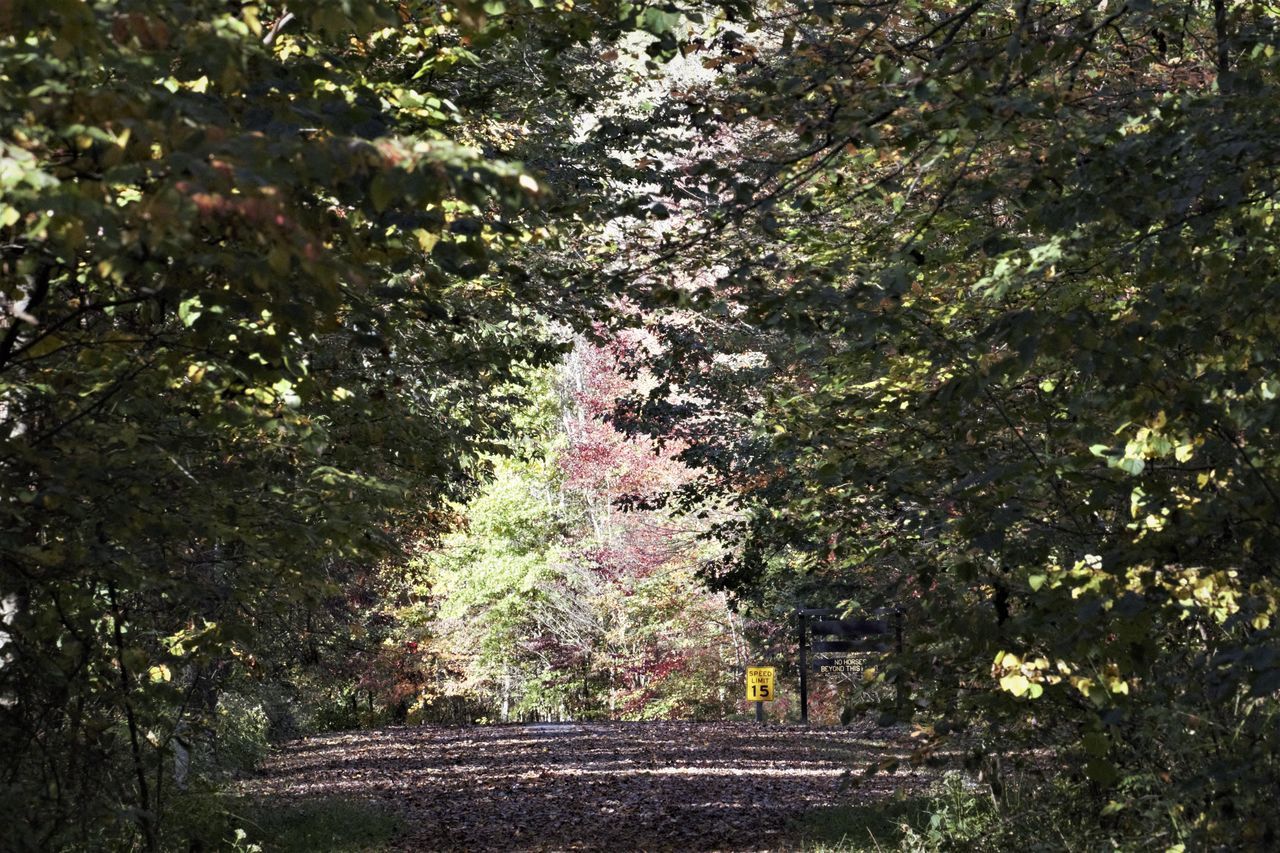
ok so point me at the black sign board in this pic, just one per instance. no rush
(847, 642)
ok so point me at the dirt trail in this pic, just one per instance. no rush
(609, 786)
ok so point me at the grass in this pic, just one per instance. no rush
(211, 822)
(1031, 815)
(875, 826)
(951, 816)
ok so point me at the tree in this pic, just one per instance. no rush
(554, 600)
(1022, 258)
(259, 271)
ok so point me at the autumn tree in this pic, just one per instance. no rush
(259, 270)
(560, 596)
(999, 276)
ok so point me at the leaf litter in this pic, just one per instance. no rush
(593, 786)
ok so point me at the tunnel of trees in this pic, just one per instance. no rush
(441, 362)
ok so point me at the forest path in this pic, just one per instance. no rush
(592, 786)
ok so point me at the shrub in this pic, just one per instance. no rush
(239, 739)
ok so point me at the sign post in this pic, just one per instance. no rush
(804, 668)
(841, 645)
(760, 681)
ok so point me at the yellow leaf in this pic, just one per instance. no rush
(1016, 683)
(426, 239)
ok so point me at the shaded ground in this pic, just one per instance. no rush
(608, 786)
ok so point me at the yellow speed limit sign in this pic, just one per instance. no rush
(760, 683)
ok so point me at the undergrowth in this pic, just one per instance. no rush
(957, 815)
(220, 822)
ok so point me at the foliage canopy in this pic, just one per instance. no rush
(960, 308)
(1000, 280)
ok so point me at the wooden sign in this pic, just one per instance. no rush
(843, 646)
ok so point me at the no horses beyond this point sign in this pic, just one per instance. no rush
(760, 683)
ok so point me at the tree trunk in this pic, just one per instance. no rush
(145, 818)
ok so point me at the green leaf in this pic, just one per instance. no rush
(1101, 771)
(381, 192)
(657, 21)
(1096, 743)
(1130, 465)
(279, 259)
(189, 310)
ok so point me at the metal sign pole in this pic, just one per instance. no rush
(804, 671)
(760, 712)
